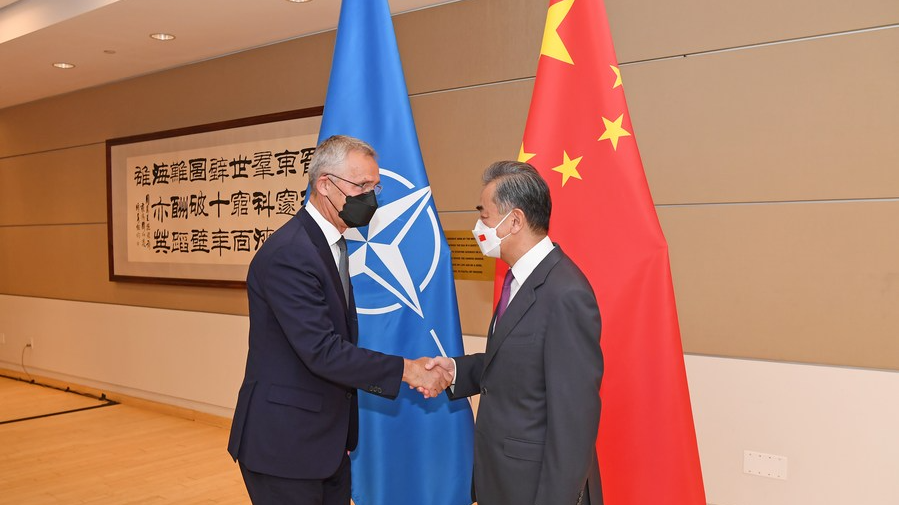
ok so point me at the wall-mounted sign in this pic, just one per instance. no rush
(469, 264)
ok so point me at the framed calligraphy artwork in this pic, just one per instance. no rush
(193, 205)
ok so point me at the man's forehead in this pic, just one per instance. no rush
(361, 165)
(486, 203)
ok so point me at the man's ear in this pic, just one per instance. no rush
(321, 184)
(518, 221)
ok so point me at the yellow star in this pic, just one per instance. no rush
(552, 42)
(523, 156)
(617, 76)
(568, 168)
(614, 131)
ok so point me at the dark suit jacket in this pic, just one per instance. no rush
(297, 411)
(535, 438)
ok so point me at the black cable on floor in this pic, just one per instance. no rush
(102, 398)
(108, 403)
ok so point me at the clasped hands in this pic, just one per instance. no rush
(429, 376)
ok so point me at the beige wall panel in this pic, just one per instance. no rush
(808, 120)
(475, 297)
(459, 44)
(462, 132)
(495, 40)
(470, 42)
(645, 29)
(475, 306)
(56, 187)
(276, 78)
(816, 283)
(70, 262)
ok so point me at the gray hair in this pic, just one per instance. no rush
(520, 186)
(332, 152)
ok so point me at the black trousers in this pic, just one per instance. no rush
(270, 490)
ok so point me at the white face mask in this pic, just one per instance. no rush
(487, 239)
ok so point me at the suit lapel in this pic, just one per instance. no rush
(324, 251)
(518, 307)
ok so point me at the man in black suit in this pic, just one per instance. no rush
(297, 411)
(538, 416)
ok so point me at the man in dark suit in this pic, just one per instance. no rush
(538, 416)
(297, 412)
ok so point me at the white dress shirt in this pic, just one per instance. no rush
(524, 267)
(330, 231)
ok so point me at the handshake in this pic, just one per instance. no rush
(429, 376)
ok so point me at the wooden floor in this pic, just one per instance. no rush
(115, 454)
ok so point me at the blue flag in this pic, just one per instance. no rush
(411, 450)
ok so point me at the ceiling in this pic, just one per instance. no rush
(109, 40)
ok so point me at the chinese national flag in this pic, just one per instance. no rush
(579, 136)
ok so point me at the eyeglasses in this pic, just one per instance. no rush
(364, 187)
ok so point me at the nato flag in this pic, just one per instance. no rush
(411, 450)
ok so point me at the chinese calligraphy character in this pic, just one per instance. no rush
(306, 158)
(262, 164)
(260, 235)
(287, 202)
(142, 176)
(287, 162)
(220, 240)
(218, 202)
(198, 205)
(161, 241)
(218, 169)
(198, 241)
(179, 171)
(260, 203)
(241, 202)
(239, 167)
(160, 174)
(179, 207)
(143, 215)
(197, 169)
(180, 241)
(242, 240)
(160, 210)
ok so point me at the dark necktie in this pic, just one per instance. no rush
(504, 296)
(343, 268)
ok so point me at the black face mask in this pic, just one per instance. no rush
(358, 210)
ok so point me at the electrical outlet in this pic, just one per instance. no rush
(2, 338)
(765, 465)
(31, 343)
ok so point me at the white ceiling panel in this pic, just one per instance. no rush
(108, 40)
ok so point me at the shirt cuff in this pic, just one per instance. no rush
(452, 386)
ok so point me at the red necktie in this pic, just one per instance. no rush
(504, 296)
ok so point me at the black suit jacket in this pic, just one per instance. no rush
(297, 411)
(538, 416)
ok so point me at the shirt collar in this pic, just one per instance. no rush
(525, 265)
(328, 229)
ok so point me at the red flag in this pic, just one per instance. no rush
(579, 136)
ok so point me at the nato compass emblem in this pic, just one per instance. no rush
(393, 260)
